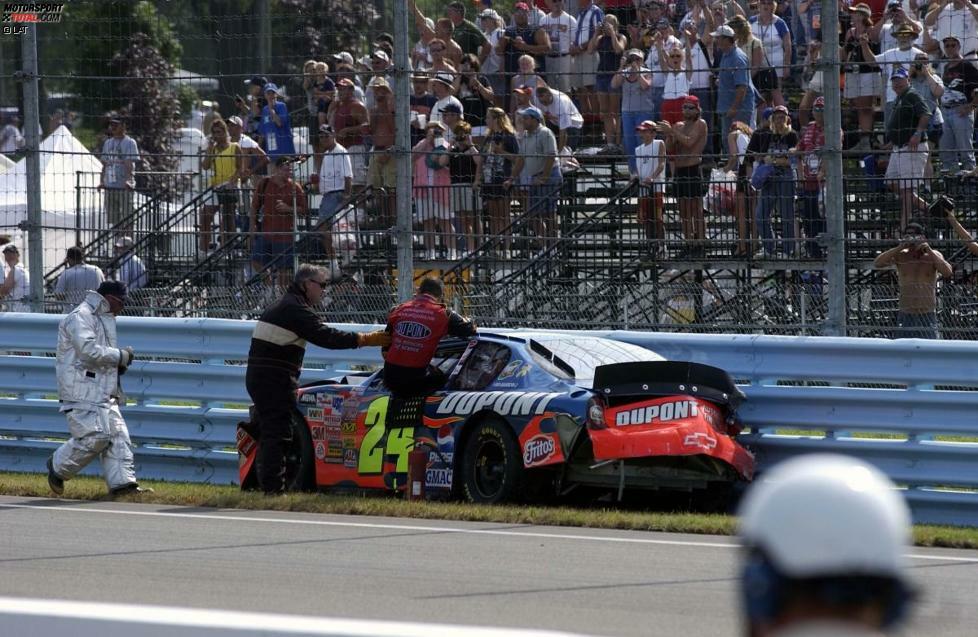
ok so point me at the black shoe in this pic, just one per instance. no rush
(54, 480)
(132, 488)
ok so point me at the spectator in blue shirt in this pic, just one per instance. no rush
(735, 93)
(275, 126)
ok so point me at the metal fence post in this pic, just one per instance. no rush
(32, 142)
(402, 121)
(834, 197)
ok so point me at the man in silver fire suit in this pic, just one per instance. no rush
(89, 363)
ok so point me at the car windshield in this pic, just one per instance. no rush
(584, 354)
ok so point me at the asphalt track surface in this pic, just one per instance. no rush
(589, 581)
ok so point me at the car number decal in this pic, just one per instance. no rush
(378, 442)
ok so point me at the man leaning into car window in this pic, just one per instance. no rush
(415, 327)
(278, 346)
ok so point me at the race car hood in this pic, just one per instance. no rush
(667, 408)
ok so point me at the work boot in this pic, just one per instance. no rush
(54, 480)
(132, 488)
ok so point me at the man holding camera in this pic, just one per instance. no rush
(917, 266)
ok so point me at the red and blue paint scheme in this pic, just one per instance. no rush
(520, 411)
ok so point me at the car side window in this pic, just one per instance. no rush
(482, 366)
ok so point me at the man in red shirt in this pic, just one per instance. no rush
(415, 327)
(813, 177)
(280, 201)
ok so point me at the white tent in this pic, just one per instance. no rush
(6, 163)
(65, 164)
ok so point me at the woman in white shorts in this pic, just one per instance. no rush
(864, 83)
(432, 187)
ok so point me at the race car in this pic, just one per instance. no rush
(525, 412)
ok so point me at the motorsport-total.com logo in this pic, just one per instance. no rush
(17, 15)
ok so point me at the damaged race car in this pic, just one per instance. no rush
(522, 413)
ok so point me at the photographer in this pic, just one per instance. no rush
(947, 207)
(917, 266)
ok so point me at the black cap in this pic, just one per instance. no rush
(283, 159)
(260, 80)
(117, 289)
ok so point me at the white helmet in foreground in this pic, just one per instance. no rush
(826, 533)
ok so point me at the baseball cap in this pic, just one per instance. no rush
(489, 13)
(260, 80)
(663, 22)
(344, 56)
(114, 288)
(345, 81)
(521, 6)
(381, 54)
(692, 99)
(862, 7)
(899, 72)
(630, 53)
(451, 108)
(646, 125)
(10, 248)
(951, 37)
(766, 113)
(533, 112)
(326, 128)
(893, 4)
(723, 31)
(781, 109)
(234, 119)
(444, 78)
(379, 82)
(523, 90)
(271, 87)
(124, 242)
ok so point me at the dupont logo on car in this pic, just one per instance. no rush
(538, 449)
(665, 412)
(504, 403)
(410, 329)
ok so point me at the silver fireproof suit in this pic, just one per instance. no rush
(88, 388)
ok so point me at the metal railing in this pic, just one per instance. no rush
(907, 406)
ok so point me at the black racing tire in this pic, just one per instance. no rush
(492, 465)
(300, 469)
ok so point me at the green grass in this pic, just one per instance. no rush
(230, 497)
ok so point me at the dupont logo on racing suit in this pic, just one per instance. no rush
(538, 450)
(674, 410)
(502, 402)
(410, 329)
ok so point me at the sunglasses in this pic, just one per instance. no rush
(690, 107)
(436, 50)
(321, 284)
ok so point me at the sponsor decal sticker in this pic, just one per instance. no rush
(503, 403)
(318, 433)
(510, 369)
(438, 478)
(348, 428)
(663, 412)
(334, 449)
(314, 414)
(350, 458)
(413, 330)
(320, 451)
(538, 450)
(307, 399)
(701, 440)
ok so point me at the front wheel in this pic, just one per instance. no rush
(300, 472)
(492, 467)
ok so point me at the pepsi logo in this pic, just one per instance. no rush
(538, 449)
(410, 329)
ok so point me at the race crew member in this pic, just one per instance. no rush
(415, 327)
(824, 540)
(89, 363)
(278, 346)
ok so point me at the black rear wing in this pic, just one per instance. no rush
(667, 378)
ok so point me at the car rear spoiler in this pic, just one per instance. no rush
(667, 378)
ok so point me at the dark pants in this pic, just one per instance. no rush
(812, 222)
(406, 382)
(917, 325)
(274, 400)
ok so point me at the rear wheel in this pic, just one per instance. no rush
(300, 471)
(492, 467)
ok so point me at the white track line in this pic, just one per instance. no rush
(429, 529)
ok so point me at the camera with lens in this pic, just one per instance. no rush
(941, 206)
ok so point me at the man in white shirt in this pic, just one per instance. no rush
(254, 157)
(584, 65)
(560, 113)
(130, 270)
(336, 184)
(957, 18)
(892, 59)
(78, 279)
(11, 139)
(441, 86)
(561, 27)
(15, 289)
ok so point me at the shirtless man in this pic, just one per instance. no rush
(382, 172)
(348, 116)
(917, 266)
(684, 143)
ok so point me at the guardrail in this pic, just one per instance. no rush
(908, 406)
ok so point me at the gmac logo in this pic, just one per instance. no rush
(410, 329)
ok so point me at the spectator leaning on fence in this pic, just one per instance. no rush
(119, 156)
(78, 279)
(560, 116)
(917, 266)
(16, 286)
(336, 185)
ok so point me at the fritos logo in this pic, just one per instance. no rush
(538, 449)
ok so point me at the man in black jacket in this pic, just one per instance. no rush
(278, 346)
